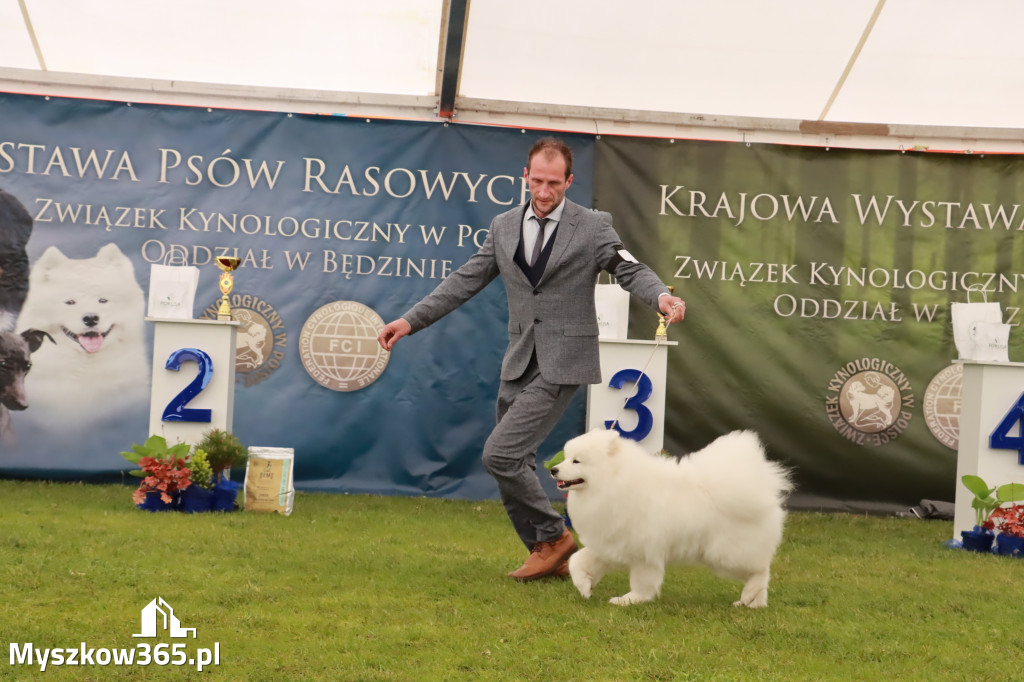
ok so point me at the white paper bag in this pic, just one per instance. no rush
(988, 342)
(172, 290)
(612, 303)
(978, 330)
(269, 485)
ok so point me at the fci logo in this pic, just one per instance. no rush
(158, 612)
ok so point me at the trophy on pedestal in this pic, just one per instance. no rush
(227, 281)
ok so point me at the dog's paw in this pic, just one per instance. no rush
(628, 598)
(757, 603)
(583, 583)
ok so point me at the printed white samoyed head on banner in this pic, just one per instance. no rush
(94, 309)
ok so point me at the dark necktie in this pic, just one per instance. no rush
(539, 244)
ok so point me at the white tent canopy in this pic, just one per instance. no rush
(882, 73)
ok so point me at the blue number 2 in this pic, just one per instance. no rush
(176, 410)
(644, 388)
(1001, 438)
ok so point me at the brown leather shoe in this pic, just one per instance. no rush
(545, 558)
(562, 571)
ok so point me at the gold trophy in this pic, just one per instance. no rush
(661, 333)
(227, 282)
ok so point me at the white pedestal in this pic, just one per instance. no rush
(606, 403)
(989, 391)
(215, 339)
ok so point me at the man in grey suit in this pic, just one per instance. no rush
(548, 254)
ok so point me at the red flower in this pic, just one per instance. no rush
(166, 476)
(1009, 520)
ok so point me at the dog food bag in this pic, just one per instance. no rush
(269, 486)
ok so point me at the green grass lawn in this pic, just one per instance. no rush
(387, 588)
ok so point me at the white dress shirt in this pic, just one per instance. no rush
(531, 226)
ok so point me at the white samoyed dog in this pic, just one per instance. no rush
(720, 506)
(95, 311)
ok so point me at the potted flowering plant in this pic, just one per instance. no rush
(1009, 524)
(987, 505)
(163, 471)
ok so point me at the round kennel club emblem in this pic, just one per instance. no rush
(869, 401)
(261, 339)
(942, 405)
(339, 348)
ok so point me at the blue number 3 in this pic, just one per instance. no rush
(176, 410)
(644, 389)
(1001, 438)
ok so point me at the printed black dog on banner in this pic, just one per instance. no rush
(15, 229)
(15, 350)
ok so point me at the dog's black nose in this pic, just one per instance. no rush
(554, 471)
(91, 320)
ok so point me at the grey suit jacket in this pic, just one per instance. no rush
(557, 318)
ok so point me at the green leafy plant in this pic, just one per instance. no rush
(223, 451)
(202, 472)
(155, 447)
(987, 500)
(555, 460)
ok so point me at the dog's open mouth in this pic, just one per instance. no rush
(90, 341)
(566, 485)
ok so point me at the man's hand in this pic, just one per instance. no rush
(393, 331)
(673, 308)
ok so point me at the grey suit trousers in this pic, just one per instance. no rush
(527, 409)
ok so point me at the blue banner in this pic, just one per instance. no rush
(339, 223)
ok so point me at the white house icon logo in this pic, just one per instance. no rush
(170, 622)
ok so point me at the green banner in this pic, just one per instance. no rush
(818, 285)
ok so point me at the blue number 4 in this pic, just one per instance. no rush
(1001, 438)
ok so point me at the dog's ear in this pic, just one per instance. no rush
(109, 254)
(34, 338)
(613, 440)
(15, 218)
(52, 259)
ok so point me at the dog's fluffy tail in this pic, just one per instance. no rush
(736, 465)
